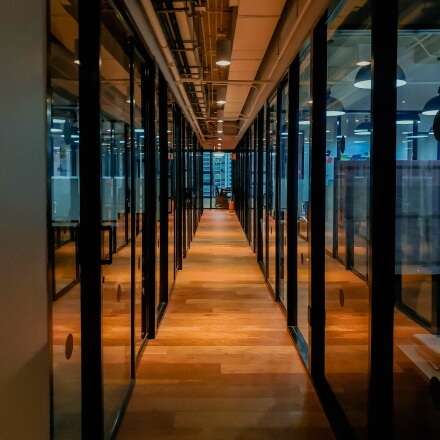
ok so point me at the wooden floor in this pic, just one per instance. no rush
(223, 365)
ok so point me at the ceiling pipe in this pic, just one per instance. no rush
(186, 27)
(143, 14)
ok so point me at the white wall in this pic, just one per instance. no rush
(24, 353)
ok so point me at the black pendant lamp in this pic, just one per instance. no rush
(363, 77)
(432, 106)
(334, 106)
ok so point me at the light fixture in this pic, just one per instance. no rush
(364, 128)
(76, 52)
(220, 115)
(419, 135)
(432, 106)
(363, 77)
(220, 127)
(223, 52)
(221, 95)
(407, 118)
(304, 117)
(334, 106)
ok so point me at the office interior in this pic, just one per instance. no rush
(112, 126)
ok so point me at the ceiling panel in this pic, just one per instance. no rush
(252, 7)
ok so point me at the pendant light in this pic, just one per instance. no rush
(364, 128)
(223, 52)
(334, 106)
(363, 77)
(432, 106)
(221, 95)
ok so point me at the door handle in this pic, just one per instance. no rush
(109, 260)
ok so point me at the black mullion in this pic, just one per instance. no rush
(90, 223)
(382, 218)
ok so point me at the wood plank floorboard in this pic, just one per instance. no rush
(223, 365)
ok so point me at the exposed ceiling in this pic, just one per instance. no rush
(188, 32)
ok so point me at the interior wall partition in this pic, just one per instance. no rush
(299, 199)
(63, 199)
(165, 199)
(262, 193)
(93, 370)
(252, 187)
(343, 153)
(362, 278)
(178, 131)
(272, 193)
(416, 317)
(282, 182)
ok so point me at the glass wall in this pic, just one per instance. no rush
(283, 179)
(157, 214)
(117, 151)
(252, 186)
(63, 190)
(272, 195)
(303, 192)
(171, 195)
(416, 319)
(346, 211)
(262, 189)
(138, 205)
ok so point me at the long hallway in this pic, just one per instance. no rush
(223, 365)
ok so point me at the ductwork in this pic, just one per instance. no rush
(189, 39)
(144, 15)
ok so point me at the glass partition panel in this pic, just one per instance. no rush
(417, 312)
(271, 192)
(262, 173)
(141, 314)
(282, 241)
(117, 153)
(63, 172)
(302, 216)
(346, 212)
(252, 189)
(171, 195)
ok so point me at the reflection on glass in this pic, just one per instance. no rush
(63, 154)
(272, 216)
(282, 242)
(171, 195)
(303, 243)
(116, 150)
(416, 319)
(346, 216)
(141, 316)
(252, 181)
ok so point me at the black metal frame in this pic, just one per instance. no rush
(90, 225)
